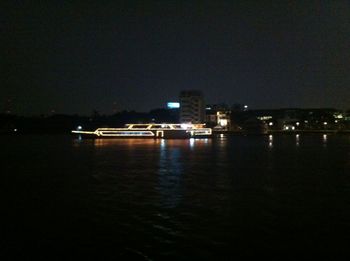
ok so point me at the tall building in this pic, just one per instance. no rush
(192, 107)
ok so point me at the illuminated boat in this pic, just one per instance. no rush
(151, 130)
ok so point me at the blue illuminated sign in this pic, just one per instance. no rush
(173, 105)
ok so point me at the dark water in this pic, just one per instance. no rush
(226, 198)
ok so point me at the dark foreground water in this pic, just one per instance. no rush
(226, 198)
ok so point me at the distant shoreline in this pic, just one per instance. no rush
(269, 132)
(215, 133)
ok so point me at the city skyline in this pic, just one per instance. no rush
(77, 57)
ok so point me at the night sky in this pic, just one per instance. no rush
(75, 57)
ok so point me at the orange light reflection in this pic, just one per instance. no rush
(151, 142)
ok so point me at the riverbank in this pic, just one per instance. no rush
(268, 132)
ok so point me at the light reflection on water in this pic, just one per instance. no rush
(170, 175)
(297, 140)
(199, 197)
(193, 142)
(270, 141)
(124, 142)
(324, 139)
